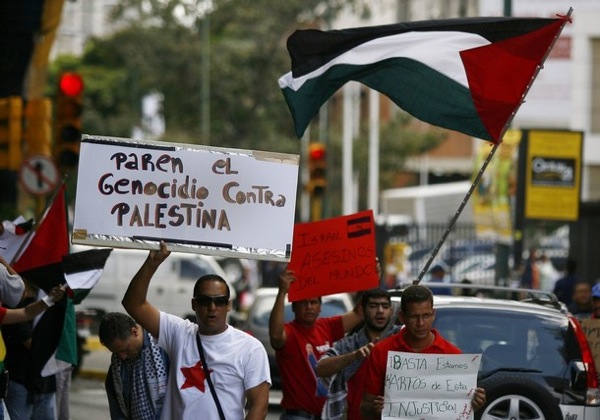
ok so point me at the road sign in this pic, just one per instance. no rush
(39, 175)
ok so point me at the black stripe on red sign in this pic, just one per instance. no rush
(359, 226)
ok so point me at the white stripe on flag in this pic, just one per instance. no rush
(438, 50)
(83, 279)
(53, 366)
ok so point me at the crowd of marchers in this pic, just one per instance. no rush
(166, 367)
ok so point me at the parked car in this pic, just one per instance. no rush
(536, 361)
(257, 322)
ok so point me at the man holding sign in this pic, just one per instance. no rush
(298, 346)
(417, 336)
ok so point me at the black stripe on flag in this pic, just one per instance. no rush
(93, 259)
(46, 276)
(359, 226)
(310, 49)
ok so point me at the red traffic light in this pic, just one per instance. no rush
(71, 84)
(316, 151)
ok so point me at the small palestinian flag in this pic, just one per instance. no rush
(83, 271)
(12, 235)
(468, 75)
(17, 227)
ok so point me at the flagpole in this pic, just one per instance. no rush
(40, 217)
(458, 211)
(497, 143)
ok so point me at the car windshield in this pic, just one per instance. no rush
(329, 307)
(509, 340)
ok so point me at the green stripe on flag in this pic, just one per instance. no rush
(421, 91)
(67, 345)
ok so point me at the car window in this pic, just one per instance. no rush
(507, 339)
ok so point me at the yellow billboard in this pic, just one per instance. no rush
(492, 198)
(553, 175)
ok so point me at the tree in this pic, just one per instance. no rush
(162, 50)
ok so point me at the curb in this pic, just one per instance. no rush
(92, 374)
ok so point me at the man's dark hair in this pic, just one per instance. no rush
(415, 294)
(571, 266)
(374, 294)
(210, 277)
(115, 325)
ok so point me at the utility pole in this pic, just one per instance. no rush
(502, 269)
(205, 101)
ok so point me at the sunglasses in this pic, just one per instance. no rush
(205, 300)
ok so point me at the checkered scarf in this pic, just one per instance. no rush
(146, 380)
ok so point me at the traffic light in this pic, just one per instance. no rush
(317, 165)
(69, 101)
(11, 130)
(38, 127)
(317, 179)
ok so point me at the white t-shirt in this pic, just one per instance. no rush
(11, 287)
(237, 362)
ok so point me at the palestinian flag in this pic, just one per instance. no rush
(81, 270)
(468, 75)
(50, 241)
(12, 235)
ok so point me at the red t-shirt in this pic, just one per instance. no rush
(2, 314)
(297, 361)
(356, 389)
(376, 363)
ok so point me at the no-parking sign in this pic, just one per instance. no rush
(39, 175)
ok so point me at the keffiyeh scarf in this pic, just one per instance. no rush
(141, 384)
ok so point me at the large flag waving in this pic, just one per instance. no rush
(468, 75)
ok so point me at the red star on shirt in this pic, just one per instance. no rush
(194, 376)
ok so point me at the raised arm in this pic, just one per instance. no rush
(276, 320)
(135, 300)
(329, 365)
(354, 317)
(15, 316)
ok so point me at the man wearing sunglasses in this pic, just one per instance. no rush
(217, 371)
(298, 346)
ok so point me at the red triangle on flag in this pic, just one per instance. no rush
(50, 241)
(499, 74)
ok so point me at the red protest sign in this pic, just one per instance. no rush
(334, 255)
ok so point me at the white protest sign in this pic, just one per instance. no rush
(134, 193)
(430, 386)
